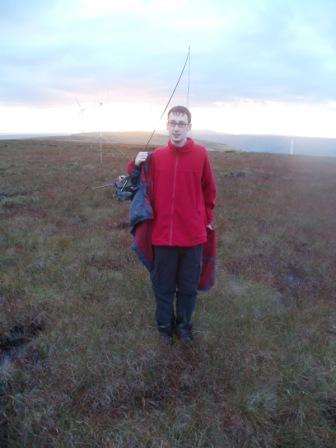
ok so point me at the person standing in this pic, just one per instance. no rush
(183, 199)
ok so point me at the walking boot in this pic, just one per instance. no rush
(184, 333)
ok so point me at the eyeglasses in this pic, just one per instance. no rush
(179, 124)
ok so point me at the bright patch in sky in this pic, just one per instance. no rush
(99, 65)
(245, 117)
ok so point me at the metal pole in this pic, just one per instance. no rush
(171, 96)
(292, 147)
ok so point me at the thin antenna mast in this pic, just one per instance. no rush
(164, 110)
(188, 92)
(171, 96)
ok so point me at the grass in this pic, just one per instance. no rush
(92, 373)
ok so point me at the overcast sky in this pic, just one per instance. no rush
(258, 66)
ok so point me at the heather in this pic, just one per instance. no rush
(80, 361)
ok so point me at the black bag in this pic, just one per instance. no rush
(127, 185)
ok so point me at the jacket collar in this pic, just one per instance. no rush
(187, 146)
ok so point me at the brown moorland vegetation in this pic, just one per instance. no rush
(80, 362)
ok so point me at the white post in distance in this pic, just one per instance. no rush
(292, 147)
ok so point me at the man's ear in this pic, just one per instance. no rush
(189, 127)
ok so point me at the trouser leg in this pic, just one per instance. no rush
(188, 274)
(163, 278)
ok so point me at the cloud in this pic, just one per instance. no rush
(259, 50)
(285, 54)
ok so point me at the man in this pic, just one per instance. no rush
(183, 199)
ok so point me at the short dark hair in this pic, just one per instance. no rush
(180, 110)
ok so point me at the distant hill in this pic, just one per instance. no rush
(274, 143)
(141, 137)
(214, 141)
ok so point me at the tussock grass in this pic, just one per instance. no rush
(92, 372)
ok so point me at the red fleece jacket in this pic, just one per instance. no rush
(184, 194)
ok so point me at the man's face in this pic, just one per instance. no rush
(178, 128)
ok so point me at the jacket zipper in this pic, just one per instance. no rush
(173, 202)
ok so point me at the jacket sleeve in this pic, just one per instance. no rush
(209, 189)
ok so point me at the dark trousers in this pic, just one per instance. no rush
(176, 272)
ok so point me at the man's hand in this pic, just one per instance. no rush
(141, 157)
(211, 227)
